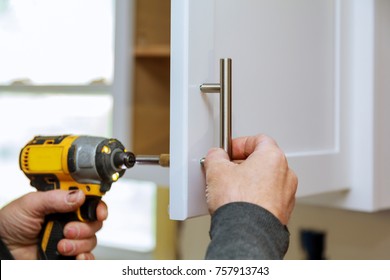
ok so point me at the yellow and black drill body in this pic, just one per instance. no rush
(69, 162)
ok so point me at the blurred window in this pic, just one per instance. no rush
(56, 71)
(56, 67)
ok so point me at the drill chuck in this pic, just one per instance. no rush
(124, 160)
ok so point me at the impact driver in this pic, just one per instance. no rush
(70, 162)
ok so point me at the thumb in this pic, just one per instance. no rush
(56, 201)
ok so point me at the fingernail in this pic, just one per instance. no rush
(72, 197)
(72, 232)
(68, 247)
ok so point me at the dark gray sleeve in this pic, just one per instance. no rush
(246, 231)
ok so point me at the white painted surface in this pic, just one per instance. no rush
(367, 89)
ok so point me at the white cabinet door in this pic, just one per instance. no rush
(286, 69)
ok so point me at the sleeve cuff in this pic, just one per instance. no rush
(242, 230)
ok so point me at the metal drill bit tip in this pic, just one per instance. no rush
(162, 160)
(147, 159)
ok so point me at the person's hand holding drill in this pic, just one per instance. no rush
(21, 222)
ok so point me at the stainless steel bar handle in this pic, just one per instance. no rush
(224, 88)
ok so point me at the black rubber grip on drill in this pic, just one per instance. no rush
(53, 228)
(52, 232)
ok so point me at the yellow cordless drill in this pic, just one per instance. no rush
(70, 162)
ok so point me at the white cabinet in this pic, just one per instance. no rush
(303, 73)
(366, 55)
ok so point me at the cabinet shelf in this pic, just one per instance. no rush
(162, 51)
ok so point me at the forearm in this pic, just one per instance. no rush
(246, 231)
